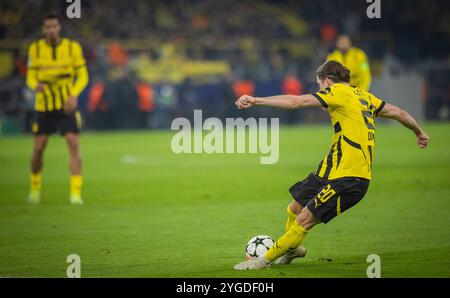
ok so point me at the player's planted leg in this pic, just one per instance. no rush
(40, 142)
(294, 237)
(76, 180)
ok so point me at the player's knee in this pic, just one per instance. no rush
(306, 219)
(39, 148)
(295, 207)
(73, 144)
(38, 151)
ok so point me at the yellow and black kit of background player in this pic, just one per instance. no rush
(61, 69)
(47, 123)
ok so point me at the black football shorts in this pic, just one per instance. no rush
(47, 123)
(326, 199)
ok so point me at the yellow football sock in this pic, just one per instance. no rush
(36, 182)
(291, 238)
(76, 182)
(291, 218)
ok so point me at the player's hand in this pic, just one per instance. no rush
(422, 139)
(245, 102)
(40, 87)
(70, 105)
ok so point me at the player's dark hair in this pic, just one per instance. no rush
(52, 16)
(334, 71)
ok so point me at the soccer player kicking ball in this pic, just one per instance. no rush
(342, 177)
(57, 73)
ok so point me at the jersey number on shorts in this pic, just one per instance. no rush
(324, 195)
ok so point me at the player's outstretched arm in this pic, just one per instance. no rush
(280, 101)
(393, 112)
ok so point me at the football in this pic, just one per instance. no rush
(258, 245)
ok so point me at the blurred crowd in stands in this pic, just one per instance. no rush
(150, 61)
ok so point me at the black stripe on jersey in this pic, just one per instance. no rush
(380, 108)
(355, 145)
(329, 163)
(53, 97)
(337, 127)
(54, 52)
(319, 168)
(339, 151)
(80, 66)
(351, 143)
(365, 158)
(68, 90)
(47, 107)
(369, 148)
(61, 94)
(320, 100)
(368, 114)
(63, 76)
(364, 102)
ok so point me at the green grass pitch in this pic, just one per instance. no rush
(152, 213)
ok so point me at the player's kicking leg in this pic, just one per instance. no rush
(291, 239)
(76, 180)
(40, 142)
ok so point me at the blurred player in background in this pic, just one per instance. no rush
(57, 73)
(355, 60)
(343, 176)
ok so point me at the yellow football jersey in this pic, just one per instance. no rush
(356, 61)
(352, 112)
(60, 67)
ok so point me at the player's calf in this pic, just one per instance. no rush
(40, 143)
(76, 179)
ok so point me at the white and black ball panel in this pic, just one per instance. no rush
(258, 245)
(251, 249)
(268, 242)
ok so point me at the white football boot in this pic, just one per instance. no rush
(34, 197)
(76, 200)
(290, 255)
(253, 264)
